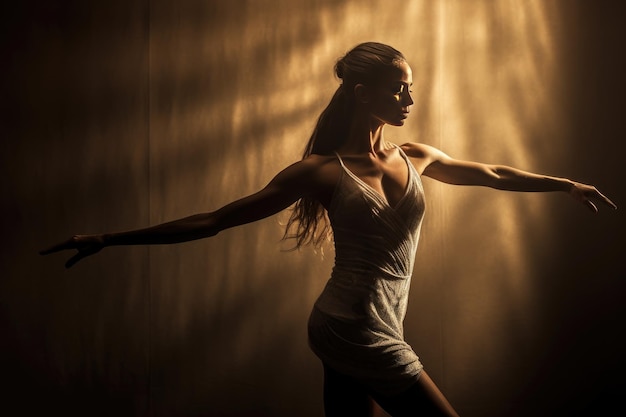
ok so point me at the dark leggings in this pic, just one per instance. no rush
(346, 397)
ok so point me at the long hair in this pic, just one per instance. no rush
(364, 64)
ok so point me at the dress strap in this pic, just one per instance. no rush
(399, 149)
(340, 160)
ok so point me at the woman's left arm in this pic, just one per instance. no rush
(439, 166)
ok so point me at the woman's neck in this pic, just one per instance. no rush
(366, 136)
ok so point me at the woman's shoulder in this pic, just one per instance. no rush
(323, 167)
(319, 160)
(418, 150)
(421, 155)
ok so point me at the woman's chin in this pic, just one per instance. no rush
(398, 123)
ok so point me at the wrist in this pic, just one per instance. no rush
(561, 184)
(568, 185)
(106, 239)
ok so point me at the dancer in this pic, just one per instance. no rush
(366, 193)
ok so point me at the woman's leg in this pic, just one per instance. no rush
(343, 396)
(422, 399)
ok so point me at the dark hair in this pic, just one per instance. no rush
(364, 64)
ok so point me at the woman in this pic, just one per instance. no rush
(368, 193)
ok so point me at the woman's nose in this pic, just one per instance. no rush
(408, 100)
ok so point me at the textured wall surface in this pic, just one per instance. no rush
(122, 114)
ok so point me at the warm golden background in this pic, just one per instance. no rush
(121, 114)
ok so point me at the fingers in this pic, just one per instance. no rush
(85, 245)
(74, 259)
(587, 194)
(58, 247)
(598, 196)
(591, 206)
(46, 251)
(606, 200)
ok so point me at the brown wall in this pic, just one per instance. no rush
(122, 114)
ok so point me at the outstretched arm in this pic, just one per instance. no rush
(284, 189)
(439, 166)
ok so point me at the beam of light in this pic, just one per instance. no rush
(494, 75)
(234, 101)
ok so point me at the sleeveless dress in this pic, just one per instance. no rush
(356, 326)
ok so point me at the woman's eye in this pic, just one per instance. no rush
(398, 91)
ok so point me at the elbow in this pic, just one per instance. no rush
(494, 176)
(203, 225)
(211, 224)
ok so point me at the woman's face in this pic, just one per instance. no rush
(390, 99)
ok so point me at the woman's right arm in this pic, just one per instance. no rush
(294, 182)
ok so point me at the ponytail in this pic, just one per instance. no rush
(331, 130)
(333, 125)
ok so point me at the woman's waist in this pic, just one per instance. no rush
(354, 325)
(360, 269)
(359, 295)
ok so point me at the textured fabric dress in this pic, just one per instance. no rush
(356, 326)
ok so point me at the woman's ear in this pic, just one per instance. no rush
(361, 93)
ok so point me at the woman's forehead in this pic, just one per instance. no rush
(401, 73)
(405, 73)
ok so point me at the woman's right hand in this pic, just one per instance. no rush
(86, 245)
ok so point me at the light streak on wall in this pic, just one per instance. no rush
(495, 99)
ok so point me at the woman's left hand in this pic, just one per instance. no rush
(587, 194)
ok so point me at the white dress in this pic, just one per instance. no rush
(356, 326)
